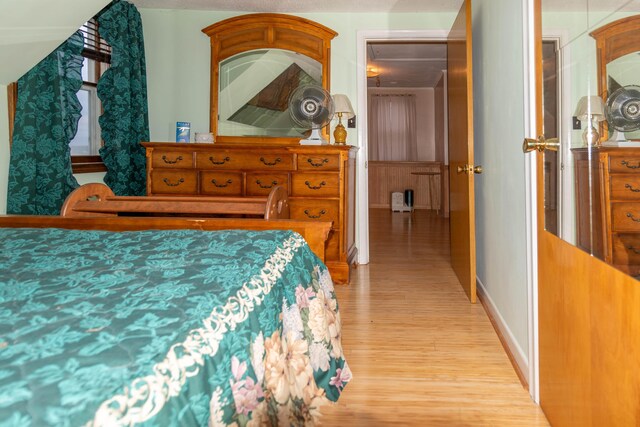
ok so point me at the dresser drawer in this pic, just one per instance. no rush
(624, 164)
(625, 187)
(318, 162)
(626, 248)
(315, 184)
(214, 183)
(235, 159)
(174, 181)
(172, 159)
(222, 159)
(625, 217)
(260, 184)
(320, 210)
(270, 161)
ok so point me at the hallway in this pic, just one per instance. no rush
(420, 353)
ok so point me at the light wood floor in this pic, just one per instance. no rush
(420, 353)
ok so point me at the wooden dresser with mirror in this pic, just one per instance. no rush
(608, 177)
(257, 61)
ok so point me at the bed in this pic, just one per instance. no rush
(165, 326)
(97, 199)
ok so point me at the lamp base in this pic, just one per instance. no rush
(340, 134)
(591, 137)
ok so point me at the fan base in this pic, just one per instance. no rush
(314, 139)
(314, 142)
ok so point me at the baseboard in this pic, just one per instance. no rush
(510, 345)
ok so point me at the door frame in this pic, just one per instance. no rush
(566, 178)
(362, 173)
(531, 191)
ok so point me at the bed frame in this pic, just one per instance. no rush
(314, 232)
(95, 199)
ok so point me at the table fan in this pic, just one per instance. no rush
(311, 107)
(623, 114)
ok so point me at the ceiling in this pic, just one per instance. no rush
(407, 64)
(311, 6)
(400, 64)
(306, 6)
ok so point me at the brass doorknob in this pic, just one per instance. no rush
(470, 168)
(540, 144)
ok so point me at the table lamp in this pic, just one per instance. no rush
(590, 109)
(341, 105)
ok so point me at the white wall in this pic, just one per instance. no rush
(178, 60)
(499, 131)
(440, 122)
(425, 117)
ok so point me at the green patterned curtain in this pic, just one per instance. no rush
(47, 114)
(123, 92)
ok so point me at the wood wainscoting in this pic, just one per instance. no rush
(387, 177)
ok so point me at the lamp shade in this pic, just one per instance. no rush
(341, 104)
(590, 106)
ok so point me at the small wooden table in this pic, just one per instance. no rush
(432, 188)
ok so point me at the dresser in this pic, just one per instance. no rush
(608, 205)
(320, 181)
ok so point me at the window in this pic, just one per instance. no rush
(86, 144)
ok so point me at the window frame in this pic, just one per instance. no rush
(98, 51)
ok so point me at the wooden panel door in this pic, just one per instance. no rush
(461, 176)
(588, 315)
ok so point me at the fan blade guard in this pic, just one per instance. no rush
(623, 109)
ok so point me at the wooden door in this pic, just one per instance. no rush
(588, 315)
(461, 176)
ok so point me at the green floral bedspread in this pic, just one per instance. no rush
(165, 328)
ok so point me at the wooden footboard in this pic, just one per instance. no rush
(94, 200)
(314, 232)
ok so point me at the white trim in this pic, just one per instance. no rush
(362, 186)
(531, 225)
(566, 190)
(514, 349)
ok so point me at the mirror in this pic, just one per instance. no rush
(254, 90)
(621, 72)
(257, 60)
(592, 185)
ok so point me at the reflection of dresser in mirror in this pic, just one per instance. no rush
(608, 205)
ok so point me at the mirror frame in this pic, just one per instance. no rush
(265, 31)
(616, 39)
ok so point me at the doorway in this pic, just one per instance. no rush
(407, 126)
(365, 38)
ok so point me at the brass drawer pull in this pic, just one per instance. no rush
(625, 163)
(322, 212)
(630, 187)
(214, 182)
(266, 185)
(630, 215)
(317, 165)
(636, 251)
(314, 187)
(275, 162)
(172, 162)
(225, 160)
(166, 181)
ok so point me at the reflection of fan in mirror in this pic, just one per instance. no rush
(623, 115)
(311, 107)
